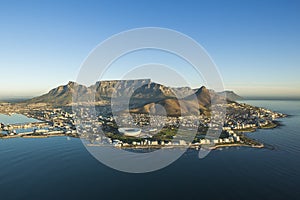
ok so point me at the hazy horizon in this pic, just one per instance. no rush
(255, 44)
(246, 97)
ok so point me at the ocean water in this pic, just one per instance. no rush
(16, 119)
(61, 168)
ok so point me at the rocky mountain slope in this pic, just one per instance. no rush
(144, 96)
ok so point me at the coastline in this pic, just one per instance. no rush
(237, 145)
(215, 147)
(246, 141)
(272, 125)
(33, 136)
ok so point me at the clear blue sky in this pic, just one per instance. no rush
(255, 44)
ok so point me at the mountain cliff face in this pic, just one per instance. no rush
(119, 88)
(138, 90)
(145, 96)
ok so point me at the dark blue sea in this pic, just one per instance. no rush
(61, 168)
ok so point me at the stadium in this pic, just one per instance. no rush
(134, 132)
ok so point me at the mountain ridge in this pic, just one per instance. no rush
(144, 95)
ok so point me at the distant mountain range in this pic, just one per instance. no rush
(230, 95)
(145, 96)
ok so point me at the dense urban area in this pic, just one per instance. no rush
(141, 130)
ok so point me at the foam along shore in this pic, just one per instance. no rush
(158, 146)
(237, 145)
(192, 146)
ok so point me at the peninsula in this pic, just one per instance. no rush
(59, 113)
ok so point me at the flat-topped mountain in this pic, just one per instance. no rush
(105, 89)
(144, 96)
(142, 89)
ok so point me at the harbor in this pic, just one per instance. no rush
(26, 127)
